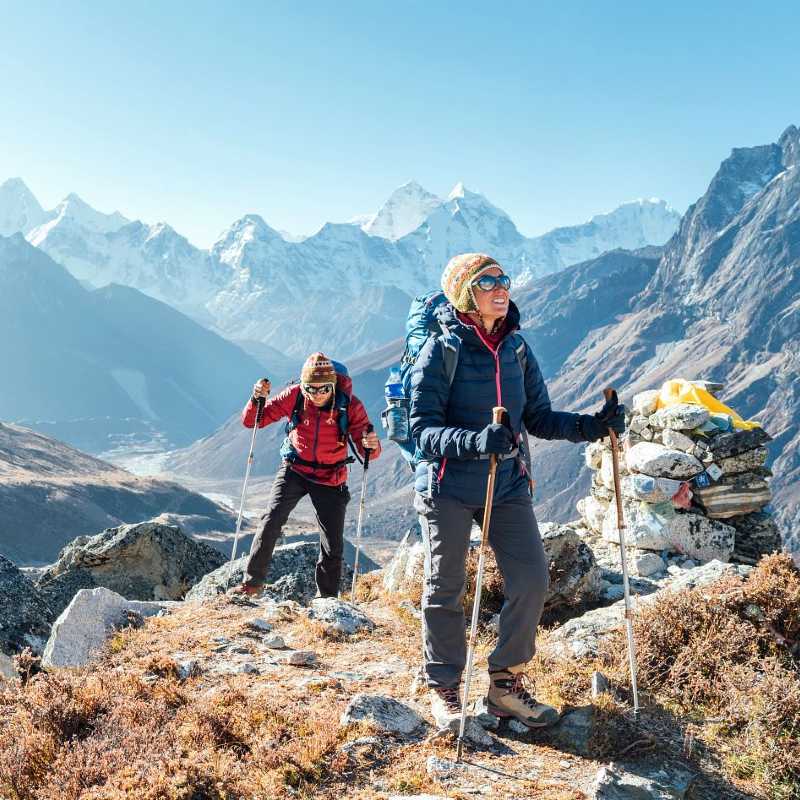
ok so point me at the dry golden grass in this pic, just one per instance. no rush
(130, 727)
(727, 652)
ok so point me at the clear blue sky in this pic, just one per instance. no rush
(197, 113)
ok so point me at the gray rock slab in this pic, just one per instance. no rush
(677, 441)
(385, 713)
(573, 732)
(658, 461)
(290, 577)
(748, 461)
(702, 538)
(574, 574)
(86, 623)
(737, 442)
(581, 636)
(299, 658)
(645, 564)
(646, 527)
(7, 670)
(639, 782)
(339, 616)
(406, 565)
(680, 417)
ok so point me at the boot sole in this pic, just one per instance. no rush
(498, 712)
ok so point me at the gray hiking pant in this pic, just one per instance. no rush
(514, 537)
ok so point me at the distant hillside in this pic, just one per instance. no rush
(91, 366)
(51, 493)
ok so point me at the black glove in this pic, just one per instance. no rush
(494, 439)
(611, 415)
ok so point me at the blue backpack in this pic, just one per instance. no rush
(421, 324)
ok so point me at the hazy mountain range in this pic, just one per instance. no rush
(348, 285)
(85, 365)
(721, 301)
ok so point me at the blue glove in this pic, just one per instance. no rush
(496, 439)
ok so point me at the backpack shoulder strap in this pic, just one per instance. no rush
(521, 352)
(451, 348)
(295, 419)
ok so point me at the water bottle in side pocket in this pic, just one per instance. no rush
(394, 417)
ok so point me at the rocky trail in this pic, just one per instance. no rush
(214, 697)
(355, 672)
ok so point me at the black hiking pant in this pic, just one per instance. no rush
(330, 504)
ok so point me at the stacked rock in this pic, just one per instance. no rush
(691, 483)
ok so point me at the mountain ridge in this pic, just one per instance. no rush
(353, 285)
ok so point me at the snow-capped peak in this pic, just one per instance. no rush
(639, 222)
(75, 208)
(459, 190)
(406, 209)
(19, 209)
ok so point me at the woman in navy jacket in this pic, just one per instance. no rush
(451, 425)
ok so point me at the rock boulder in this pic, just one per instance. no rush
(651, 458)
(291, 575)
(86, 623)
(25, 616)
(146, 561)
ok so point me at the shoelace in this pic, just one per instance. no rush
(519, 687)
(450, 696)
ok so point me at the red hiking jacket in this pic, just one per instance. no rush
(316, 438)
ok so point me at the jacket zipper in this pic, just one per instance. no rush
(496, 355)
(316, 435)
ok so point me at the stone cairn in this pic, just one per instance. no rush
(691, 483)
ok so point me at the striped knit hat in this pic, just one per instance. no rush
(318, 369)
(459, 273)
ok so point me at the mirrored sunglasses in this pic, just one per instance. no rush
(314, 390)
(487, 283)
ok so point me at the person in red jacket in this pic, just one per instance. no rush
(314, 463)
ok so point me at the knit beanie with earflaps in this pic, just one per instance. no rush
(318, 369)
(459, 273)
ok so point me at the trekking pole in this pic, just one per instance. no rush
(259, 412)
(611, 395)
(497, 419)
(360, 519)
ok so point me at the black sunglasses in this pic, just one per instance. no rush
(314, 390)
(486, 283)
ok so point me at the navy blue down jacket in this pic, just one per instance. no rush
(445, 419)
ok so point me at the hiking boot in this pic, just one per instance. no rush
(446, 707)
(246, 590)
(509, 697)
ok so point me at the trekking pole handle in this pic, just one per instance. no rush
(610, 394)
(260, 405)
(367, 450)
